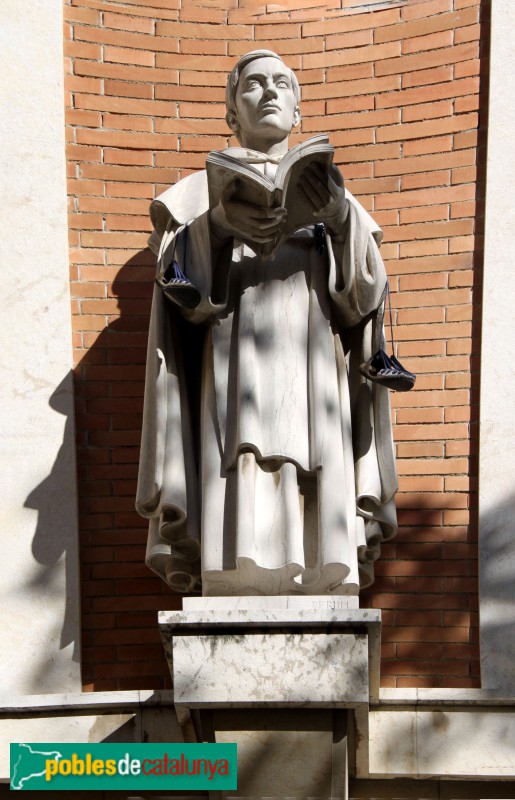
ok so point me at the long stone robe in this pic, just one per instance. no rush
(281, 481)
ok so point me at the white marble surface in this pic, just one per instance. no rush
(366, 618)
(497, 430)
(286, 669)
(293, 501)
(267, 602)
(102, 701)
(444, 697)
(39, 605)
(239, 622)
(442, 743)
(133, 724)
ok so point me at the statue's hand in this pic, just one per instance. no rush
(233, 218)
(323, 191)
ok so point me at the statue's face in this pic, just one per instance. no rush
(265, 101)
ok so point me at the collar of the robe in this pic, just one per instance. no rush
(252, 156)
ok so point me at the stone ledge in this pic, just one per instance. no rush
(443, 697)
(83, 701)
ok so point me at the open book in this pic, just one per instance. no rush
(256, 188)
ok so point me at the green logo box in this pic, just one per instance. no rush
(123, 766)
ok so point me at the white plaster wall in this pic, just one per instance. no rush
(39, 602)
(497, 405)
(442, 743)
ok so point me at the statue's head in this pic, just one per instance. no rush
(262, 98)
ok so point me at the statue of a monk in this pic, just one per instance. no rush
(267, 462)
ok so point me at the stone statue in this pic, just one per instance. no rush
(267, 462)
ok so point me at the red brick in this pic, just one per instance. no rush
(424, 196)
(426, 25)
(135, 41)
(428, 432)
(425, 9)
(423, 213)
(420, 348)
(431, 230)
(342, 41)
(434, 41)
(421, 248)
(203, 46)
(128, 174)
(418, 130)
(77, 152)
(91, 119)
(87, 16)
(429, 94)
(348, 104)
(469, 34)
(136, 8)
(364, 119)
(434, 110)
(123, 55)
(349, 72)
(193, 14)
(434, 144)
(131, 190)
(350, 88)
(467, 68)
(82, 50)
(425, 77)
(124, 105)
(172, 92)
(127, 89)
(287, 48)
(103, 239)
(432, 466)
(140, 157)
(73, 83)
(359, 55)
(125, 22)
(409, 63)
(125, 72)
(277, 31)
(203, 31)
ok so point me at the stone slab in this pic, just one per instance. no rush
(282, 669)
(271, 602)
(442, 743)
(453, 698)
(239, 622)
(137, 716)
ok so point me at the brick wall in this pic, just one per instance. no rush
(400, 88)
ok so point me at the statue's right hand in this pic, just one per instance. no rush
(234, 218)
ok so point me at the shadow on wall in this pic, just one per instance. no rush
(53, 549)
(115, 583)
(497, 592)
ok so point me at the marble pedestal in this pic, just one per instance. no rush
(290, 682)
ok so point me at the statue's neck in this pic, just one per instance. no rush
(268, 148)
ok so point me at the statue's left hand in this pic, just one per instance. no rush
(323, 191)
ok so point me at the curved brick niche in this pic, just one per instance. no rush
(399, 87)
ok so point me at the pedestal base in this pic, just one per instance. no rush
(285, 683)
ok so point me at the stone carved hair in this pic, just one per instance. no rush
(232, 84)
